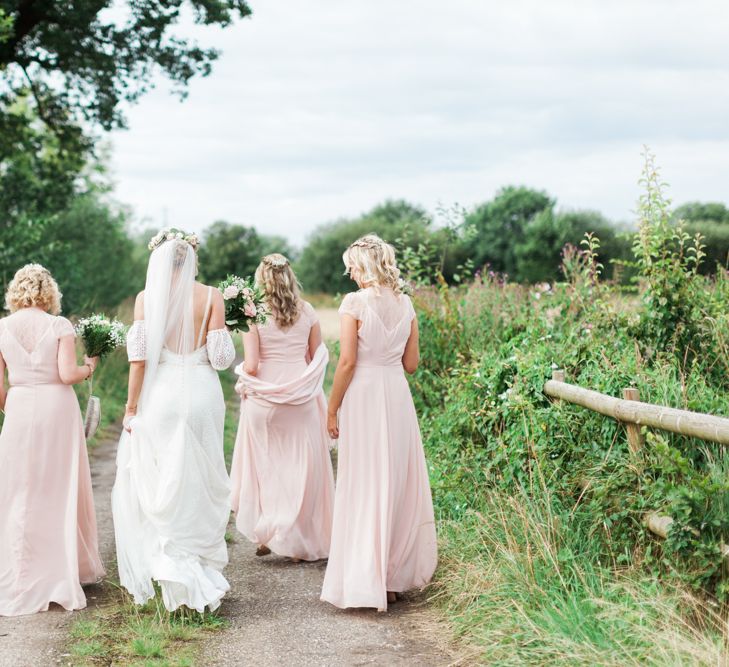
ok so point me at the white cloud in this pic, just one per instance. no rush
(322, 109)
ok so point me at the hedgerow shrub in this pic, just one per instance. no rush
(488, 347)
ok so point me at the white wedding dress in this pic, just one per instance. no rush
(171, 498)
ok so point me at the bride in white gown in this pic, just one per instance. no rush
(171, 496)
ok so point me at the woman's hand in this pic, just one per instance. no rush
(332, 425)
(129, 414)
(91, 362)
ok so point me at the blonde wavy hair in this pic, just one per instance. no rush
(370, 261)
(33, 285)
(277, 279)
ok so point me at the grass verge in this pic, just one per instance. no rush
(519, 583)
(122, 633)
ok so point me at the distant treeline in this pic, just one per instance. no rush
(519, 233)
(84, 238)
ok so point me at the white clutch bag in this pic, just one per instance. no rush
(93, 416)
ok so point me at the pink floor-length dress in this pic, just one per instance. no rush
(48, 539)
(283, 484)
(383, 537)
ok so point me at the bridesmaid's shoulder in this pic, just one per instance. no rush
(356, 294)
(62, 326)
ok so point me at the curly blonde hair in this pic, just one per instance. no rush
(33, 285)
(371, 262)
(278, 281)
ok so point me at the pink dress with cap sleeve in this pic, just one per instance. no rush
(283, 485)
(383, 537)
(48, 539)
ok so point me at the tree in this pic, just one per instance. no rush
(6, 25)
(320, 267)
(88, 58)
(501, 224)
(711, 220)
(92, 256)
(68, 65)
(40, 169)
(702, 212)
(538, 254)
(229, 248)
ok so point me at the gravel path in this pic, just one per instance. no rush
(276, 618)
(39, 640)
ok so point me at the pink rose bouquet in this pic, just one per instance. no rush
(245, 303)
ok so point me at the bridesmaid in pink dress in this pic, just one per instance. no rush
(48, 541)
(383, 538)
(283, 485)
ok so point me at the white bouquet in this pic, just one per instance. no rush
(100, 335)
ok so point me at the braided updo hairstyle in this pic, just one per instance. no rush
(371, 262)
(277, 279)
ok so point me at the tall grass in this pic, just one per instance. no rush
(520, 583)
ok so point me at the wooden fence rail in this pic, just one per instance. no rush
(636, 414)
(632, 411)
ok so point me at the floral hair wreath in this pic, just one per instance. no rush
(276, 262)
(170, 234)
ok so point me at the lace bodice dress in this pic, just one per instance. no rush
(48, 540)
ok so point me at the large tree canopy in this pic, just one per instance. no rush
(89, 55)
(501, 226)
(65, 69)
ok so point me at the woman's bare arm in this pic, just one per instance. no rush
(411, 356)
(345, 371)
(251, 350)
(68, 369)
(314, 341)
(217, 312)
(136, 370)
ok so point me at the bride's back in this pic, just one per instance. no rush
(201, 310)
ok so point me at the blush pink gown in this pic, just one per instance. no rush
(283, 485)
(383, 538)
(48, 540)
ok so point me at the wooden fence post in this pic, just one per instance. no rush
(635, 437)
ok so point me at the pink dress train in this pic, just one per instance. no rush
(48, 540)
(383, 537)
(283, 485)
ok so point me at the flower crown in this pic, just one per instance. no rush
(170, 234)
(275, 262)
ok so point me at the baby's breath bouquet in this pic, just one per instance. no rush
(100, 335)
(245, 303)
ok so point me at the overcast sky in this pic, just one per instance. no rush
(321, 109)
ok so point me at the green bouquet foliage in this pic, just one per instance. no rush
(100, 334)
